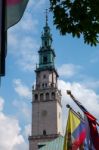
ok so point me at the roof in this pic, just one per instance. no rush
(56, 144)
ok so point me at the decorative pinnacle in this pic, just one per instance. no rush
(46, 17)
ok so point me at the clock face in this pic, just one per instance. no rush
(44, 113)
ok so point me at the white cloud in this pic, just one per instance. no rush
(12, 40)
(23, 146)
(22, 44)
(10, 136)
(91, 83)
(21, 41)
(27, 58)
(9, 132)
(30, 24)
(21, 104)
(27, 24)
(23, 49)
(68, 70)
(21, 89)
(27, 130)
(24, 109)
(37, 4)
(87, 96)
(94, 60)
(30, 4)
(40, 3)
(1, 103)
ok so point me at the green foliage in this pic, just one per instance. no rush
(78, 17)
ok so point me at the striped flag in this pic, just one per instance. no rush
(75, 133)
(15, 10)
(94, 135)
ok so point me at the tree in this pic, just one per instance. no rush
(78, 17)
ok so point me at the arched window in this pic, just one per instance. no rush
(47, 96)
(45, 59)
(44, 76)
(41, 97)
(43, 85)
(36, 97)
(44, 132)
(53, 95)
(45, 43)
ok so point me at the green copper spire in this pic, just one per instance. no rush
(46, 53)
(46, 35)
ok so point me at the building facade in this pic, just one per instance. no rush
(46, 101)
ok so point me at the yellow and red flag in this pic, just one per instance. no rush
(75, 133)
(94, 135)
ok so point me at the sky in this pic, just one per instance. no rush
(77, 65)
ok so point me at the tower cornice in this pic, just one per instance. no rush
(45, 69)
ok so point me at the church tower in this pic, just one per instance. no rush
(46, 102)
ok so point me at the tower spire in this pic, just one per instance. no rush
(46, 11)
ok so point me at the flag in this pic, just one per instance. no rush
(11, 11)
(75, 133)
(15, 10)
(94, 135)
(2, 38)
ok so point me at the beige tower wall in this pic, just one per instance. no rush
(59, 119)
(46, 116)
(49, 79)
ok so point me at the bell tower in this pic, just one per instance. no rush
(46, 102)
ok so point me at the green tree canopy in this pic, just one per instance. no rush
(78, 17)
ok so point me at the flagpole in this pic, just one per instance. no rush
(75, 113)
(71, 95)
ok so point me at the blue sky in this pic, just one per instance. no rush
(77, 65)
